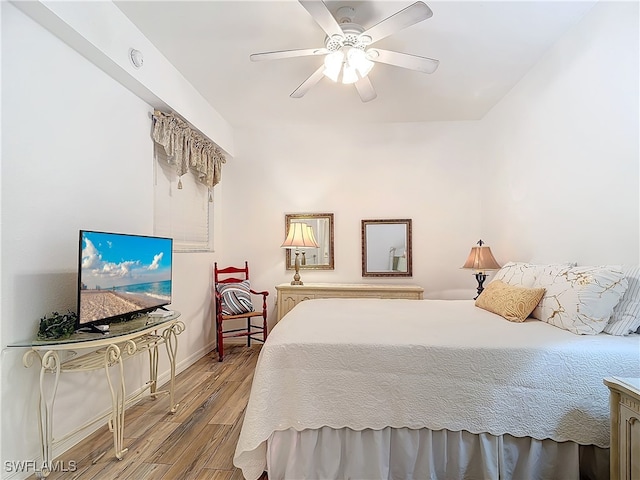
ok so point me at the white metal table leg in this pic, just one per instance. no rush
(50, 362)
(170, 336)
(153, 370)
(113, 356)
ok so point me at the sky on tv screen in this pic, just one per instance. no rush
(115, 260)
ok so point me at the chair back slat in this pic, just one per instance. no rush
(230, 280)
(225, 272)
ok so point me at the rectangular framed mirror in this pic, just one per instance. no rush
(320, 258)
(386, 248)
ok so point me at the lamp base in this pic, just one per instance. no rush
(480, 277)
(296, 278)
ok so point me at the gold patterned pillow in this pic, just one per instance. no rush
(509, 301)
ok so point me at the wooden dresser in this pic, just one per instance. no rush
(290, 295)
(625, 427)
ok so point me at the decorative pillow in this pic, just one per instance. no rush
(579, 299)
(626, 314)
(524, 274)
(516, 273)
(236, 298)
(509, 301)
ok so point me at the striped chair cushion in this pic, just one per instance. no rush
(236, 298)
(626, 314)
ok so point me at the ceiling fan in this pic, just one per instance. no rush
(348, 55)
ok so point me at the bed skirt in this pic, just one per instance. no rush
(408, 454)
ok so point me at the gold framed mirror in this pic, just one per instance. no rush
(320, 258)
(386, 248)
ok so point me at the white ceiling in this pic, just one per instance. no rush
(484, 48)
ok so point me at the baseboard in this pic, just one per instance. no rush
(99, 420)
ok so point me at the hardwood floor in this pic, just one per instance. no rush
(195, 443)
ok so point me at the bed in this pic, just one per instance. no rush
(429, 389)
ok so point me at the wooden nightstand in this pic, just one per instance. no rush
(625, 427)
(290, 295)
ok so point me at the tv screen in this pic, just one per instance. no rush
(121, 276)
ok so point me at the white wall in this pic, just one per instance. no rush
(426, 172)
(76, 153)
(101, 33)
(562, 149)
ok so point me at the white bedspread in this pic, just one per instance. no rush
(438, 364)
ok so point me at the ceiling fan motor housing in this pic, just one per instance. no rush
(345, 14)
(351, 37)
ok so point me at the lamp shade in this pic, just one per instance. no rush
(480, 259)
(311, 236)
(300, 235)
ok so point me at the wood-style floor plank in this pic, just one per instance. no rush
(195, 443)
(194, 457)
(222, 456)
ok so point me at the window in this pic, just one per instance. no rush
(183, 186)
(185, 214)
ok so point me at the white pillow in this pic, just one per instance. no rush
(518, 274)
(626, 314)
(579, 299)
(523, 274)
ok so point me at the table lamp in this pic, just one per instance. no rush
(300, 235)
(480, 260)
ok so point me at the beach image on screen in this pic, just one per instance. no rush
(121, 274)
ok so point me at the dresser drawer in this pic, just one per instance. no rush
(290, 295)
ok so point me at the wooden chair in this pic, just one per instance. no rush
(233, 302)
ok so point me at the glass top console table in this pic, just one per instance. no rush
(85, 351)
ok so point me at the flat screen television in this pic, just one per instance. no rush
(121, 276)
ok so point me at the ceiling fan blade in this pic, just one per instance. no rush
(404, 60)
(411, 15)
(323, 17)
(305, 86)
(257, 57)
(365, 89)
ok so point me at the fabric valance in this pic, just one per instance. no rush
(188, 149)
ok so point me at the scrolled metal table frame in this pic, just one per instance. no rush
(126, 340)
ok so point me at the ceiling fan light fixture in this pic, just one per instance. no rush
(349, 74)
(333, 65)
(347, 65)
(357, 59)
